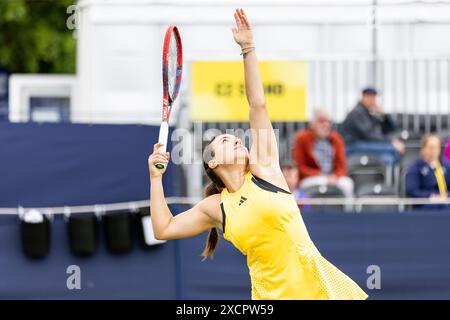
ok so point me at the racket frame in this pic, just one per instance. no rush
(168, 99)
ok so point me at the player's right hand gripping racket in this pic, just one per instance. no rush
(172, 70)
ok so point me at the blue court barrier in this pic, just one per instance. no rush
(76, 164)
(412, 250)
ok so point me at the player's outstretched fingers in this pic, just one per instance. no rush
(244, 19)
(238, 20)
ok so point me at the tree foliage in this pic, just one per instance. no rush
(34, 37)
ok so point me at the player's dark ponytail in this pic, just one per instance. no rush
(215, 186)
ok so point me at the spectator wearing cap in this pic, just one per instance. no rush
(367, 129)
(429, 176)
(319, 153)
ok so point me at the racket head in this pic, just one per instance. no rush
(172, 68)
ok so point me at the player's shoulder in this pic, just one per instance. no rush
(212, 199)
(211, 205)
(269, 178)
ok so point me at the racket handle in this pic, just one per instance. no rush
(163, 135)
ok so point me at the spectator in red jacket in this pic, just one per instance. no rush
(319, 153)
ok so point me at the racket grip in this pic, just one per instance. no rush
(163, 135)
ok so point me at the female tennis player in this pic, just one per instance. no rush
(249, 201)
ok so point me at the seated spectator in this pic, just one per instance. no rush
(319, 153)
(447, 150)
(429, 176)
(366, 129)
(290, 173)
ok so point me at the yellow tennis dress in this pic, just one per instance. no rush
(265, 224)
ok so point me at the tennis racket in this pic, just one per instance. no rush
(172, 69)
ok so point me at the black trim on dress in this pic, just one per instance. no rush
(223, 217)
(263, 184)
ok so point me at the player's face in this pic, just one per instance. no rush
(229, 149)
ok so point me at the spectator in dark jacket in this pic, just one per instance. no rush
(366, 129)
(319, 153)
(429, 176)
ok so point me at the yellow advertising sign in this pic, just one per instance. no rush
(218, 92)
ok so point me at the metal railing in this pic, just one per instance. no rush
(134, 205)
